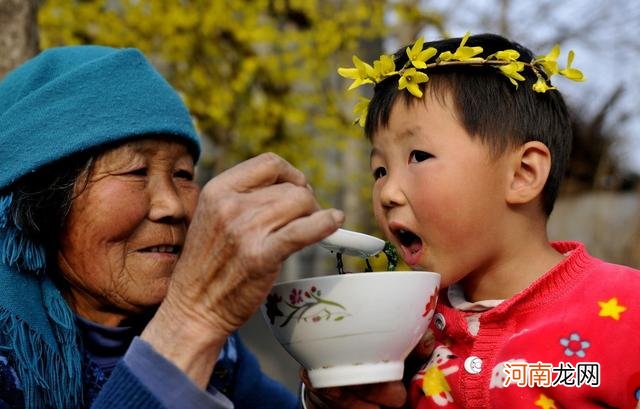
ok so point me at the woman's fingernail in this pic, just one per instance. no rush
(338, 216)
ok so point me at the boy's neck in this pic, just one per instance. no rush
(523, 258)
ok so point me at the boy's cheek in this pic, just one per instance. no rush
(378, 213)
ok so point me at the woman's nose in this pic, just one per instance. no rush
(166, 202)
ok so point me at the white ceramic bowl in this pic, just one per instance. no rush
(354, 328)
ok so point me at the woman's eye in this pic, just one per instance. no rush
(379, 172)
(419, 156)
(184, 174)
(138, 172)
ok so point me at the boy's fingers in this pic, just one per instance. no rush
(424, 347)
(389, 394)
(373, 396)
(337, 398)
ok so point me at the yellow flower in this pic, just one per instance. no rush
(418, 56)
(410, 80)
(541, 85)
(573, 74)
(463, 53)
(384, 67)
(361, 74)
(548, 62)
(361, 109)
(512, 70)
(507, 55)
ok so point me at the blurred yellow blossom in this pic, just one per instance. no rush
(361, 109)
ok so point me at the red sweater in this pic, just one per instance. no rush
(550, 337)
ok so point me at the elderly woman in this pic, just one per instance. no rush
(122, 283)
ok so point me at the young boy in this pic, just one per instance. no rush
(467, 161)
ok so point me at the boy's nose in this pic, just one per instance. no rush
(391, 193)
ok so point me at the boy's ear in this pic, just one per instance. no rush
(529, 171)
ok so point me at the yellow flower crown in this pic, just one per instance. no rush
(413, 72)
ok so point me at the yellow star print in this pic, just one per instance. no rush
(611, 309)
(545, 403)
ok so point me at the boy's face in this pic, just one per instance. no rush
(438, 194)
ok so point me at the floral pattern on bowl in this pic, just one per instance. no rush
(302, 305)
(430, 307)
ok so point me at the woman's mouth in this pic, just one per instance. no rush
(162, 249)
(410, 246)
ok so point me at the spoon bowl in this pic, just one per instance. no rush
(353, 243)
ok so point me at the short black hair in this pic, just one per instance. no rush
(489, 106)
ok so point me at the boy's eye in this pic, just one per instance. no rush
(419, 156)
(379, 172)
(184, 174)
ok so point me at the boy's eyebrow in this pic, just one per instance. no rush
(411, 132)
(407, 133)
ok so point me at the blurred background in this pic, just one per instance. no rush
(260, 75)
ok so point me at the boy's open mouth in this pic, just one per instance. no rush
(410, 245)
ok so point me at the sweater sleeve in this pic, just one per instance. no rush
(146, 375)
(255, 390)
(124, 390)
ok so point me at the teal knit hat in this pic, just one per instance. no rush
(69, 100)
(72, 99)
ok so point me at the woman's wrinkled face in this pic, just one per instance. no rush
(126, 229)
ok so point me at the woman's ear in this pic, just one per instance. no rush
(530, 169)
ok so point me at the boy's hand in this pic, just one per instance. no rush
(423, 349)
(372, 396)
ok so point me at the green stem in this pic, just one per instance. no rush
(303, 307)
(464, 62)
(323, 301)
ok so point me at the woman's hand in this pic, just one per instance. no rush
(248, 220)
